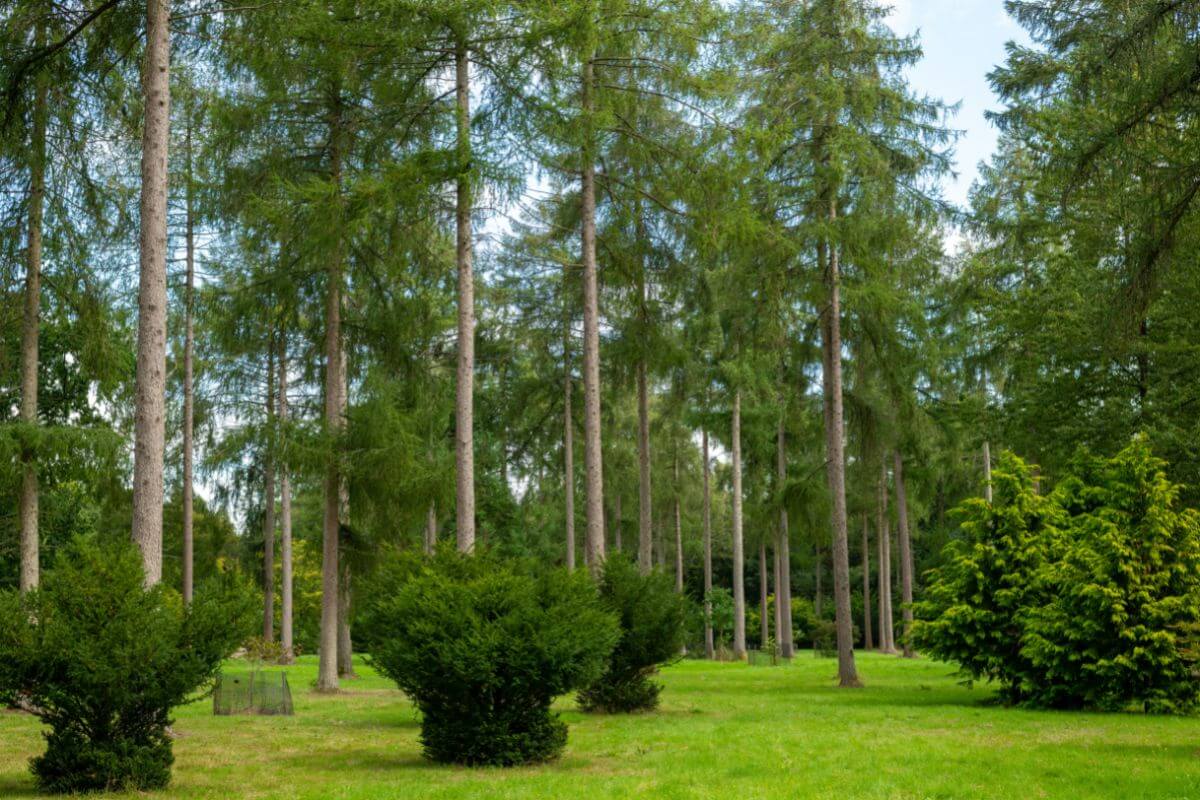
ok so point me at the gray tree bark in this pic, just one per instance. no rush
(327, 671)
(831, 341)
(868, 637)
(464, 404)
(709, 650)
(887, 642)
(906, 563)
(431, 529)
(739, 589)
(150, 393)
(764, 589)
(568, 438)
(987, 471)
(345, 649)
(268, 628)
(189, 344)
(678, 534)
(594, 465)
(30, 328)
(644, 485)
(781, 622)
(285, 522)
(783, 583)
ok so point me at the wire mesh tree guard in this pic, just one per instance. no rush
(263, 693)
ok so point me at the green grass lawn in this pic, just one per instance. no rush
(726, 731)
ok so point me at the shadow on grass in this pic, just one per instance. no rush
(11, 787)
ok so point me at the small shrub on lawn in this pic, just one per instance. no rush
(970, 612)
(482, 647)
(1087, 598)
(652, 616)
(103, 661)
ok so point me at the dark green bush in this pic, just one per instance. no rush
(482, 647)
(970, 611)
(651, 614)
(104, 660)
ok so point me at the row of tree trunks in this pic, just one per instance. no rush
(151, 372)
(568, 432)
(906, 562)
(28, 501)
(764, 590)
(644, 485)
(868, 637)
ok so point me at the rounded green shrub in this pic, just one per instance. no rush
(102, 661)
(652, 616)
(482, 647)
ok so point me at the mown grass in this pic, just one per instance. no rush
(726, 731)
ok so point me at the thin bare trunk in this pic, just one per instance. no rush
(464, 404)
(709, 650)
(345, 647)
(268, 628)
(30, 325)
(594, 465)
(431, 529)
(868, 636)
(568, 443)
(644, 486)
(285, 521)
(150, 393)
(887, 642)
(987, 471)
(327, 675)
(819, 600)
(835, 457)
(780, 622)
(906, 562)
(783, 582)
(678, 534)
(764, 589)
(189, 336)
(739, 590)
(617, 526)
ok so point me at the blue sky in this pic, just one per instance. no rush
(963, 40)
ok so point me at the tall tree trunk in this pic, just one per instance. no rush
(739, 589)
(644, 486)
(764, 589)
(777, 566)
(345, 651)
(819, 600)
(709, 650)
(464, 404)
(906, 562)
(30, 325)
(783, 583)
(617, 526)
(568, 438)
(150, 396)
(431, 529)
(678, 534)
(189, 344)
(327, 674)
(987, 471)
(285, 521)
(268, 628)
(594, 466)
(886, 641)
(868, 637)
(831, 342)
